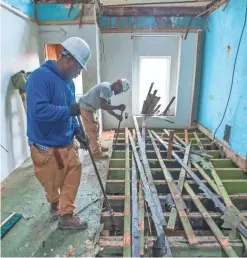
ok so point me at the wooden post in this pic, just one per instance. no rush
(127, 221)
(186, 137)
(169, 152)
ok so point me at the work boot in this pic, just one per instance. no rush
(100, 155)
(104, 149)
(71, 221)
(54, 209)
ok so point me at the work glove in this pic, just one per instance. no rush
(74, 109)
(119, 117)
(82, 139)
(121, 107)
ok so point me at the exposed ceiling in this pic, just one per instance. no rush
(149, 7)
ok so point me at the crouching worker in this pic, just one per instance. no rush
(52, 126)
(100, 97)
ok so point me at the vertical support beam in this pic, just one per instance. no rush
(141, 219)
(186, 136)
(218, 234)
(127, 222)
(148, 173)
(177, 139)
(169, 152)
(176, 195)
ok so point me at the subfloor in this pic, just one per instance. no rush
(118, 188)
(36, 234)
(39, 236)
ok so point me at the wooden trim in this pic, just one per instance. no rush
(66, 22)
(197, 70)
(124, 30)
(17, 12)
(235, 157)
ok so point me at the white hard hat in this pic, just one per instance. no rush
(125, 84)
(79, 49)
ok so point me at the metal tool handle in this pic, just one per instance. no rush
(118, 130)
(96, 169)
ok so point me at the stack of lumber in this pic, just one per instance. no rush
(151, 106)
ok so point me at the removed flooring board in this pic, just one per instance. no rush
(39, 236)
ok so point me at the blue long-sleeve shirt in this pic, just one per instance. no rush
(49, 95)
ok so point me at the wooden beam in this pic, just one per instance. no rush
(164, 247)
(148, 172)
(182, 175)
(169, 151)
(199, 143)
(127, 220)
(89, 21)
(141, 220)
(218, 234)
(135, 252)
(176, 195)
(156, 11)
(207, 178)
(196, 74)
(142, 2)
(186, 137)
(147, 30)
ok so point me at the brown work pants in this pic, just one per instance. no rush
(91, 126)
(59, 171)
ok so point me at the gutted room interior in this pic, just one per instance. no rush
(165, 174)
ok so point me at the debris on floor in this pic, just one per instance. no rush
(194, 187)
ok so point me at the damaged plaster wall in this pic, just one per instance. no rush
(19, 51)
(220, 47)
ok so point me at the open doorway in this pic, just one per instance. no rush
(53, 51)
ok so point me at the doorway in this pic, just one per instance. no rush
(155, 59)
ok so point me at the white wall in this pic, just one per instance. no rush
(118, 49)
(116, 63)
(19, 51)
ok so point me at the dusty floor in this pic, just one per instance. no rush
(38, 235)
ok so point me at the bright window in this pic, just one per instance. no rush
(154, 69)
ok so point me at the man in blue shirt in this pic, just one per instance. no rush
(52, 126)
